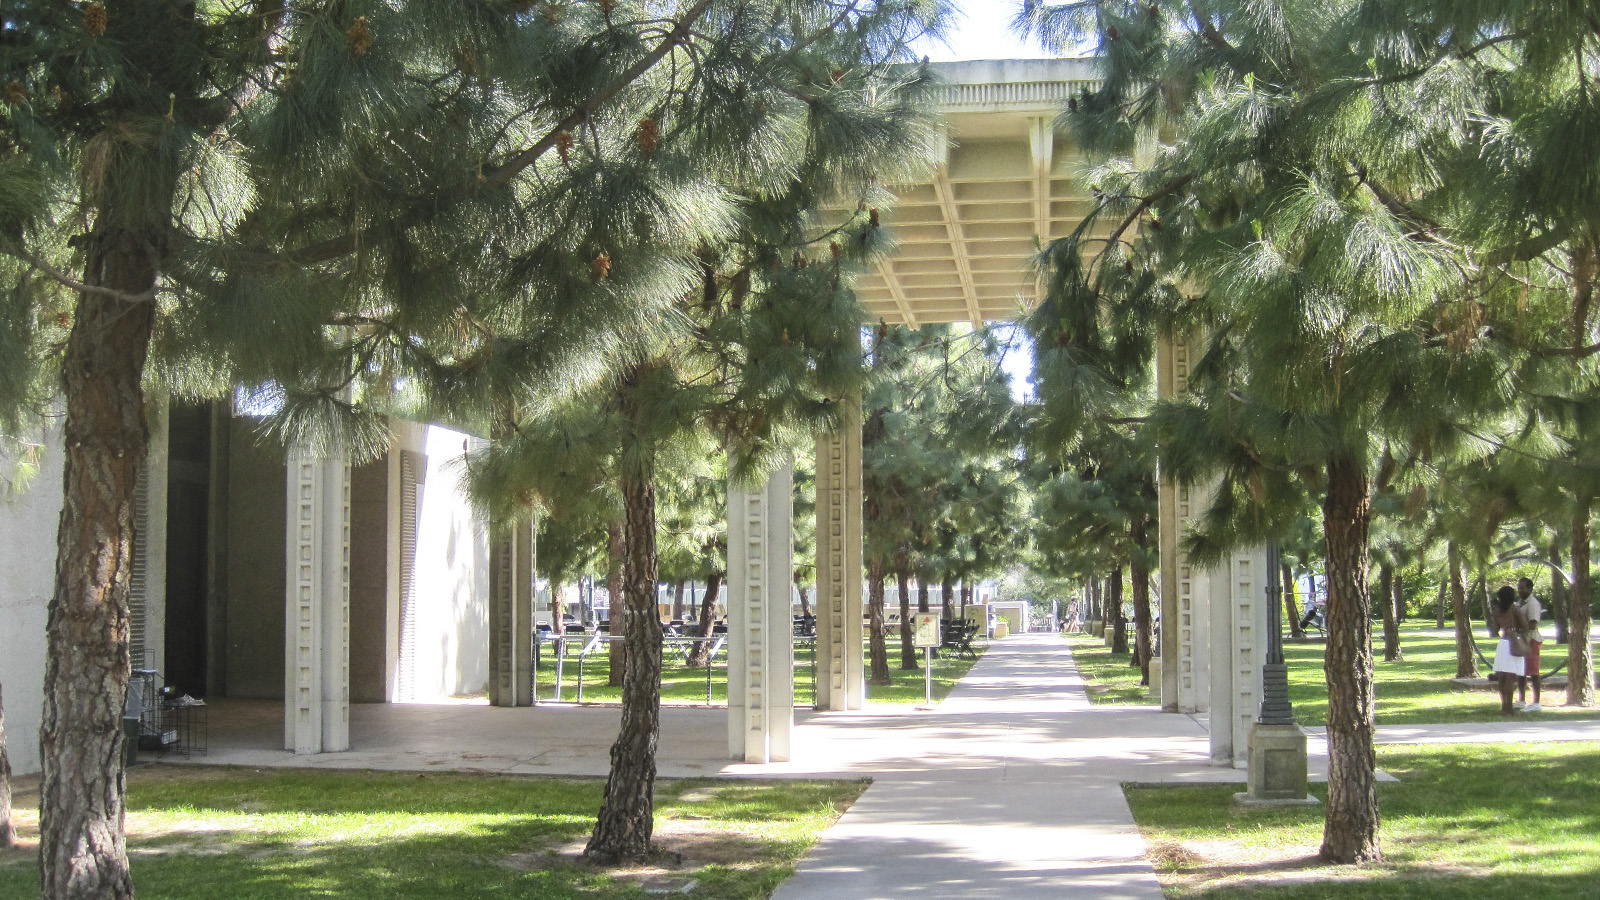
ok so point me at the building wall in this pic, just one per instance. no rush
(452, 573)
(27, 574)
(369, 581)
(252, 613)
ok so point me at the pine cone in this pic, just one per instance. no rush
(564, 146)
(467, 58)
(601, 267)
(649, 136)
(872, 217)
(359, 37)
(94, 20)
(16, 93)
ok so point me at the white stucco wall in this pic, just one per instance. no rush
(27, 567)
(452, 655)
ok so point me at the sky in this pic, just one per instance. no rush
(983, 32)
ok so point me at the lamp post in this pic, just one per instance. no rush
(1277, 743)
(1275, 706)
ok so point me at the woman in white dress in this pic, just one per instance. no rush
(1507, 621)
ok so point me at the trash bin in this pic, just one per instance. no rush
(130, 742)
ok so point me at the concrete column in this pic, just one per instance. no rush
(1219, 663)
(148, 594)
(1185, 612)
(317, 669)
(840, 674)
(1247, 639)
(511, 616)
(760, 623)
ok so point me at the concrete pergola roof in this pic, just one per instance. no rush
(1008, 179)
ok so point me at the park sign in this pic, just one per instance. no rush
(928, 631)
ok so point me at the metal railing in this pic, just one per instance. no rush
(579, 647)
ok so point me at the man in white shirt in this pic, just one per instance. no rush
(1532, 609)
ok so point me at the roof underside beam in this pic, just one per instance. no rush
(958, 236)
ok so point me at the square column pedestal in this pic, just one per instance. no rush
(1277, 767)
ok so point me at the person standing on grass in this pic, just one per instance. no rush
(1506, 621)
(1532, 610)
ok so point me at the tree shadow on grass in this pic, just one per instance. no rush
(238, 835)
(1454, 826)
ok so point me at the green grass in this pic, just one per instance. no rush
(250, 835)
(1107, 676)
(680, 684)
(683, 685)
(1415, 690)
(1478, 821)
(907, 686)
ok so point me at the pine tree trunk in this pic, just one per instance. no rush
(877, 645)
(1291, 596)
(617, 551)
(947, 588)
(1350, 830)
(1466, 658)
(805, 601)
(1444, 585)
(1580, 650)
(677, 601)
(82, 845)
(1387, 585)
(923, 604)
(627, 814)
(966, 597)
(1098, 587)
(1481, 591)
(908, 644)
(1559, 590)
(1143, 640)
(8, 832)
(1091, 592)
(708, 617)
(1119, 624)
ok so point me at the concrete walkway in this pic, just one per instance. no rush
(1010, 789)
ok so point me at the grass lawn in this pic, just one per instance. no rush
(682, 685)
(1107, 676)
(1415, 690)
(1459, 824)
(907, 687)
(240, 834)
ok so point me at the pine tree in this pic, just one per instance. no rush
(1293, 214)
(764, 339)
(938, 468)
(446, 207)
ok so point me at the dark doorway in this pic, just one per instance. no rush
(188, 500)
